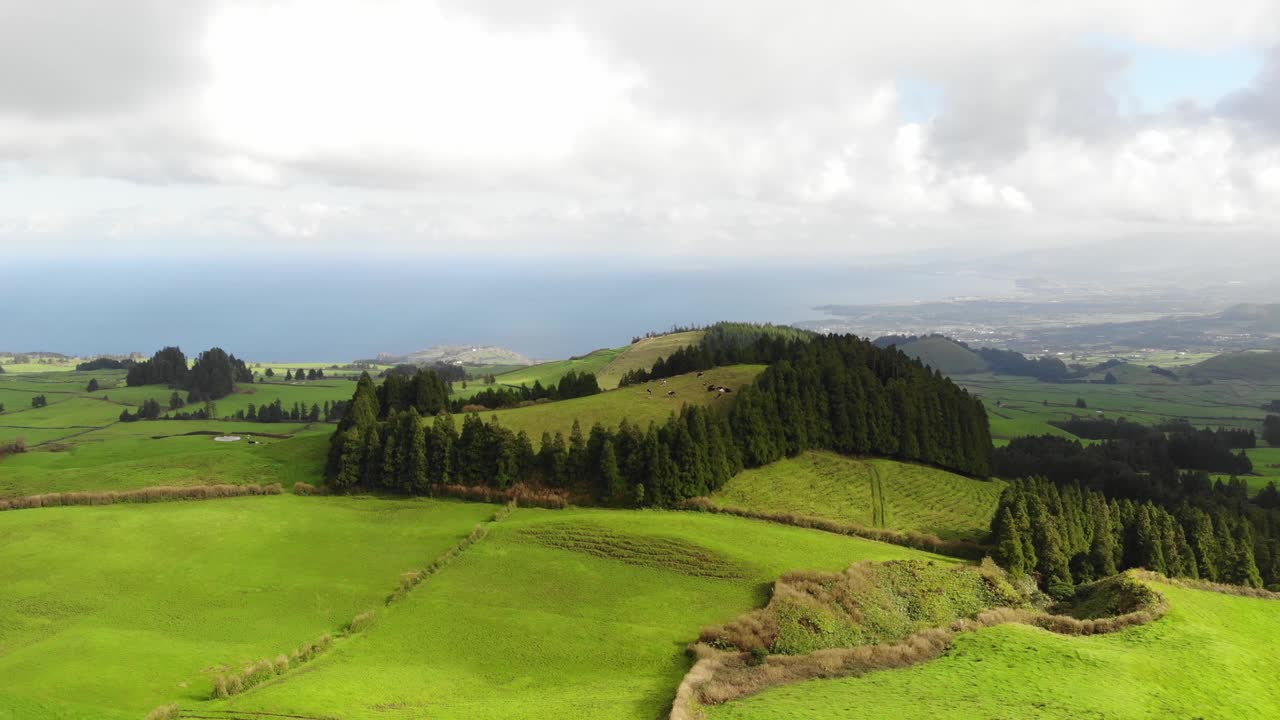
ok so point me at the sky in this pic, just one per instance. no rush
(601, 128)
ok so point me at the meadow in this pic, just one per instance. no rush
(537, 622)
(107, 612)
(1211, 656)
(639, 404)
(643, 354)
(1024, 406)
(874, 493)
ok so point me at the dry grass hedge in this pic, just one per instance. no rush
(522, 495)
(304, 488)
(255, 673)
(164, 712)
(411, 579)
(917, 540)
(141, 495)
(13, 448)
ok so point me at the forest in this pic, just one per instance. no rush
(835, 392)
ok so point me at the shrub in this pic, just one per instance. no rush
(13, 448)
(360, 622)
(164, 712)
(302, 488)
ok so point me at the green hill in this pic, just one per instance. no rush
(1188, 664)
(945, 354)
(643, 354)
(640, 404)
(872, 493)
(1252, 365)
(551, 372)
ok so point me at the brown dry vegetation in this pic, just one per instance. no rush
(917, 540)
(411, 579)
(141, 495)
(233, 683)
(164, 712)
(719, 676)
(521, 494)
(13, 448)
(304, 488)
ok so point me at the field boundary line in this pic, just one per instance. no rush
(164, 493)
(964, 549)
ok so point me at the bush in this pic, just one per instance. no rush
(302, 488)
(164, 712)
(360, 622)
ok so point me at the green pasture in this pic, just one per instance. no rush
(143, 454)
(550, 372)
(106, 612)
(1212, 656)
(1023, 406)
(640, 404)
(643, 354)
(530, 623)
(872, 493)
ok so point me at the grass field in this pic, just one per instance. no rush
(106, 612)
(126, 456)
(636, 403)
(1023, 406)
(1212, 656)
(551, 372)
(643, 354)
(535, 622)
(873, 493)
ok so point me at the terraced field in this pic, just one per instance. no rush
(873, 493)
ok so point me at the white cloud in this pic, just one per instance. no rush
(600, 126)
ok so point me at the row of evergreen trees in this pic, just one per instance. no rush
(1071, 535)
(835, 392)
(573, 384)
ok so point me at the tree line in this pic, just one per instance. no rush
(835, 392)
(1070, 535)
(1142, 466)
(1271, 430)
(573, 384)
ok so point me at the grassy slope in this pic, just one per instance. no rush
(125, 456)
(945, 355)
(106, 612)
(551, 372)
(1211, 657)
(828, 485)
(643, 354)
(518, 629)
(634, 403)
(1257, 366)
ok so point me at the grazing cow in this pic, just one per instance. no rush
(671, 393)
(649, 390)
(699, 374)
